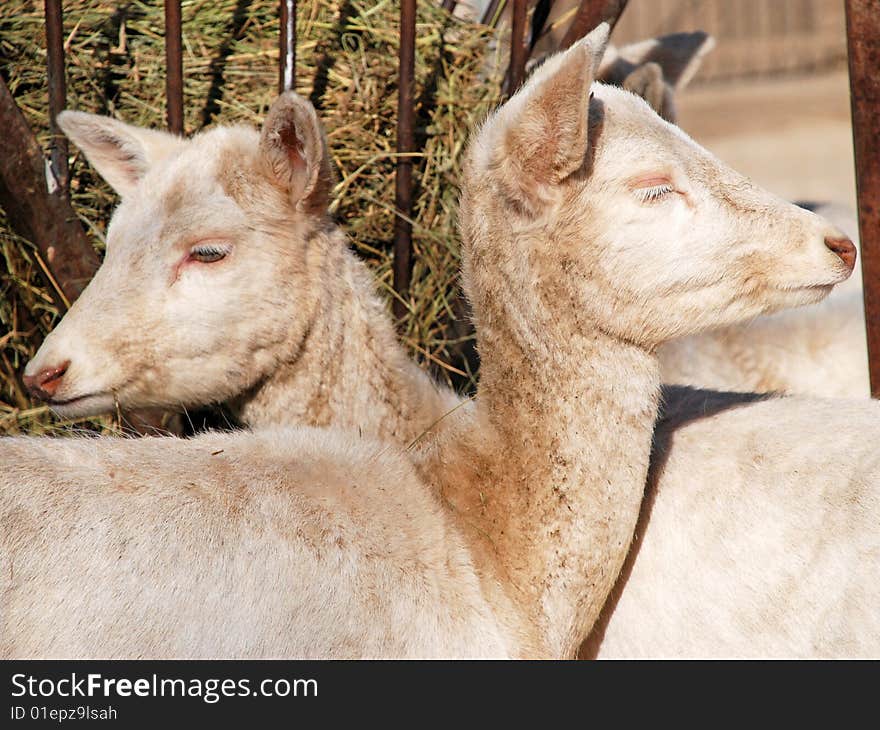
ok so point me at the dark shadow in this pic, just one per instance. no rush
(539, 19)
(460, 330)
(232, 34)
(427, 100)
(463, 352)
(117, 64)
(208, 418)
(680, 405)
(328, 59)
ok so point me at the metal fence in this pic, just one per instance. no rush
(795, 31)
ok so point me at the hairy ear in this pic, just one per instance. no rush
(545, 126)
(295, 152)
(647, 81)
(679, 55)
(121, 153)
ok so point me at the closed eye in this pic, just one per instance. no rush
(654, 193)
(209, 252)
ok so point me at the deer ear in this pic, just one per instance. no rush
(679, 55)
(295, 152)
(121, 153)
(647, 81)
(544, 127)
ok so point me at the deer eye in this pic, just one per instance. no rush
(653, 194)
(208, 253)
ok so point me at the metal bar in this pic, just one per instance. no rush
(174, 66)
(406, 145)
(36, 209)
(57, 90)
(287, 46)
(518, 52)
(589, 14)
(863, 42)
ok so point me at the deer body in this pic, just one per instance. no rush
(778, 558)
(283, 543)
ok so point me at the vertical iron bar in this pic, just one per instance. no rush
(589, 14)
(517, 69)
(57, 90)
(405, 147)
(287, 47)
(863, 43)
(174, 66)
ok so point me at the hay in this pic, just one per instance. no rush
(346, 64)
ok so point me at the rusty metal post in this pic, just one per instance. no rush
(863, 41)
(287, 46)
(589, 14)
(36, 209)
(518, 51)
(57, 90)
(406, 145)
(174, 66)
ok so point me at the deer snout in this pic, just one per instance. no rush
(844, 248)
(46, 382)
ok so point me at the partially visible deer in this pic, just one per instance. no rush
(657, 69)
(774, 551)
(504, 533)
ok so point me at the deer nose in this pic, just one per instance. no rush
(844, 248)
(44, 384)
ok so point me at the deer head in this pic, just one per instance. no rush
(601, 212)
(210, 272)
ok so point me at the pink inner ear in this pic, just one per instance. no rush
(294, 147)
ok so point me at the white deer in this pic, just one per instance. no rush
(247, 298)
(506, 535)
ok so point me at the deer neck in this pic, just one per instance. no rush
(349, 370)
(554, 465)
